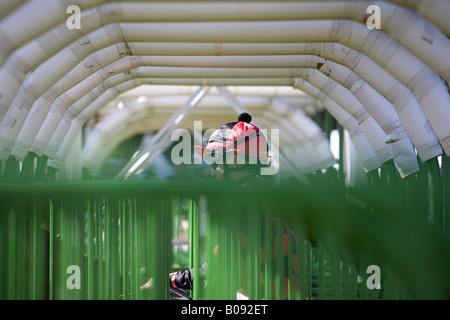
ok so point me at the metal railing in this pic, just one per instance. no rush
(106, 239)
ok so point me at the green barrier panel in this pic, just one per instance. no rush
(107, 240)
(446, 193)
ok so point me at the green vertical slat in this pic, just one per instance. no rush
(72, 247)
(143, 263)
(90, 249)
(42, 226)
(3, 246)
(124, 248)
(373, 178)
(363, 293)
(107, 290)
(215, 266)
(31, 265)
(411, 198)
(60, 252)
(140, 239)
(304, 279)
(446, 193)
(195, 246)
(63, 248)
(51, 262)
(353, 281)
(310, 269)
(166, 242)
(223, 257)
(436, 202)
(257, 238)
(345, 276)
(290, 255)
(234, 255)
(114, 245)
(134, 251)
(67, 241)
(77, 256)
(27, 173)
(422, 192)
(11, 285)
(12, 171)
(150, 260)
(80, 252)
(41, 169)
(231, 261)
(321, 262)
(18, 249)
(131, 254)
(241, 251)
(1, 171)
(250, 233)
(297, 264)
(100, 225)
(341, 173)
(336, 276)
(268, 269)
(127, 254)
(389, 174)
(159, 229)
(279, 262)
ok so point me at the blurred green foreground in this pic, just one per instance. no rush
(106, 239)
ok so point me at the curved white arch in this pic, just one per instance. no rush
(367, 155)
(430, 99)
(358, 112)
(67, 143)
(283, 72)
(427, 89)
(9, 6)
(349, 57)
(405, 26)
(436, 11)
(406, 153)
(35, 120)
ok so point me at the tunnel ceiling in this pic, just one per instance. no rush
(380, 68)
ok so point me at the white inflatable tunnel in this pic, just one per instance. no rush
(101, 72)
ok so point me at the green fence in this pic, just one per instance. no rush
(106, 239)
